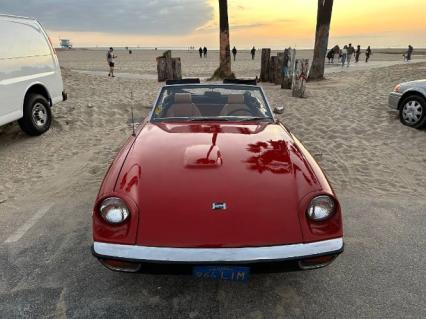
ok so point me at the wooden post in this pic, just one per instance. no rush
(264, 69)
(272, 65)
(177, 69)
(292, 64)
(279, 68)
(286, 78)
(161, 69)
(300, 77)
(168, 68)
(169, 64)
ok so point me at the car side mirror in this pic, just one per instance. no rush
(279, 110)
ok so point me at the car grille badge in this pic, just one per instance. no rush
(219, 206)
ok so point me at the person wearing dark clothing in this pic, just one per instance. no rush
(111, 61)
(253, 53)
(234, 52)
(357, 53)
(200, 50)
(330, 56)
(367, 54)
(409, 53)
(205, 52)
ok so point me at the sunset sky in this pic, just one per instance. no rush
(182, 23)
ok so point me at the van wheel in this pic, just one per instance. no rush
(37, 115)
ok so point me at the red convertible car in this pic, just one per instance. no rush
(214, 184)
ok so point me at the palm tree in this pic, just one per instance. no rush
(325, 9)
(224, 71)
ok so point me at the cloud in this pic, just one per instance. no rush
(148, 17)
(214, 26)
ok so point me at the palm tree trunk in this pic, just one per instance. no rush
(224, 70)
(325, 9)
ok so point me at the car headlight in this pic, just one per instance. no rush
(321, 208)
(114, 210)
(397, 88)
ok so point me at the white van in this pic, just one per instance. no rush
(30, 76)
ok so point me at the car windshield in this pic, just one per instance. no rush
(211, 103)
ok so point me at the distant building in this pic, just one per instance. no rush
(65, 44)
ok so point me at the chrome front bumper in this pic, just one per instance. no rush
(394, 99)
(217, 255)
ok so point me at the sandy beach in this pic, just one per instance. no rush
(344, 120)
(376, 165)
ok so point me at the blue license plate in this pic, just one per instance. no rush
(222, 273)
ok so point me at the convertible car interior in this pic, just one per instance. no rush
(207, 103)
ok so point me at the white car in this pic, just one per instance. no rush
(409, 98)
(30, 76)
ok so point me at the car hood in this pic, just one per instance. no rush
(177, 172)
(420, 83)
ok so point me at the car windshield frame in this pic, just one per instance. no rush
(269, 116)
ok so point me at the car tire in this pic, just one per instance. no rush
(37, 115)
(412, 112)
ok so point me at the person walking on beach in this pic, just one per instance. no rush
(409, 53)
(351, 51)
(344, 55)
(110, 59)
(357, 53)
(234, 52)
(253, 53)
(367, 54)
(330, 56)
(200, 50)
(205, 52)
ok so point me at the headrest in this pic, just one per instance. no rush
(235, 99)
(183, 98)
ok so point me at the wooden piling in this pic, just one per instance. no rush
(168, 68)
(300, 77)
(177, 69)
(286, 79)
(264, 69)
(272, 68)
(279, 68)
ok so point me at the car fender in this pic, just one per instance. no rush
(316, 231)
(412, 91)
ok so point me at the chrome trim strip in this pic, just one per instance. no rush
(200, 255)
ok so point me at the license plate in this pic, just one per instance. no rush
(228, 273)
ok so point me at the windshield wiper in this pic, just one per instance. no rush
(254, 118)
(212, 119)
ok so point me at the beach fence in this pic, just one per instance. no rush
(168, 68)
(285, 70)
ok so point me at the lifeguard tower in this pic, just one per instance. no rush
(65, 44)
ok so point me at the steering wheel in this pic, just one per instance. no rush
(248, 112)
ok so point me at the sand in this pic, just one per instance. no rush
(344, 121)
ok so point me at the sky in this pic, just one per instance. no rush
(261, 23)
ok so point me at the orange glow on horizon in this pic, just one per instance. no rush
(278, 24)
